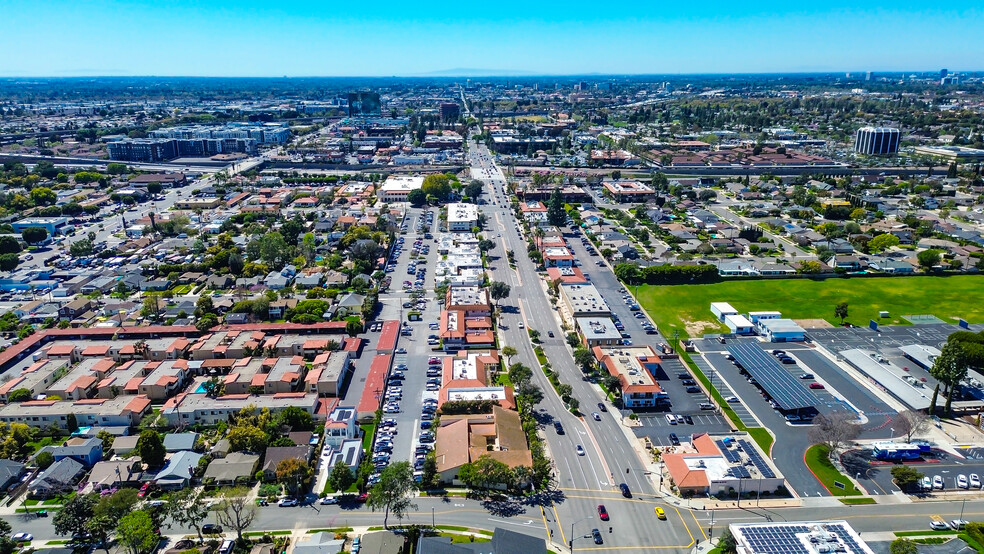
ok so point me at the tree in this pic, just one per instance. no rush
(247, 438)
(438, 186)
(840, 310)
(19, 395)
(294, 474)
(473, 189)
(910, 423)
(34, 235)
(136, 531)
(393, 492)
(99, 529)
(417, 198)
(556, 215)
(154, 188)
(341, 476)
(486, 245)
(8, 262)
(204, 305)
(903, 546)
(235, 263)
(906, 477)
(116, 505)
(81, 247)
(486, 472)
(508, 352)
(353, 327)
(810, 267)
(928, 259)
(519, 374)
(150, 448)
(498, 291)
(44, 460)
(71, 518)
(188, 508)
(235, 510)
(949, 368)
(295, 419)
(833, 430)
(206, 322)
(43, 196)
(584, 358)
(882, 242)
(858, 214)
(9, 245)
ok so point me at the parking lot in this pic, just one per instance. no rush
(411, 392)
(941, 468)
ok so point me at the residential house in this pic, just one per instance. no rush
(114, 474)
(74, 309)
(234, 468)
(275, 455)
(176, 442)
(60, 477)
(85, 451)
(178, 472)
(278, 308)
(350, 303)
(10, 473)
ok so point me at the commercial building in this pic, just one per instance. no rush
(143, 150)
(473, 300)
(739, 324)
(722, 309)
(584, 300)
(463, 439)
(798, 537)
(462, 217)
(875, 141)
(597, 331)
(397, 187)
(781, 330)
(628, 191)
(273, 133)
(720, 464)
(958, 154)
(54, 225)
(635, 367)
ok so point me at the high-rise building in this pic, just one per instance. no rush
(867, 76)
(875, 141)
(450, 111)
(944, 73)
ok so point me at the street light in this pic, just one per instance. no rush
(571, 541)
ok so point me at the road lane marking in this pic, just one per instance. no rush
(560, 526)
(699, 526)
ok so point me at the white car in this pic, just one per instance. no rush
(732, 399)
(671, 419)
(975, 481)
(329, 500)
(962, 481)
(580, 450)
(22, 537)
(927, 483)
(938, 482)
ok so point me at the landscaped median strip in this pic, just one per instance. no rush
(817, 459)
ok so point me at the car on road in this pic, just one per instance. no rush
(732, 400)
(287, 502)
(580, 450)
(22, 537)
(559, 428)
(816, 386)
(596, 535)
(660, 514)
(602, 512)
(550, 334)
(328, 500)
(962, 481)
(596, 416)
(625, 490)
(602, 407)
(211, 529)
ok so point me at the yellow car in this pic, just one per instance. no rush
(660, 513)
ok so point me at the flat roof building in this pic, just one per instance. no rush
(632, 191)
(584, 300)
(462, 217)
(958, 154)
(781, 330)
(397, 187)
(635, 367)
(798, 537)
(597, 331)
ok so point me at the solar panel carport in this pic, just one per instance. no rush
(786, 391)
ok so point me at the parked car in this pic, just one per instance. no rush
(816, 386)
(674, 440)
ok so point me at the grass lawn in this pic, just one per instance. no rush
(181, 289)
(818, 461)
(686, 308)
(855, 500)
(456, 538)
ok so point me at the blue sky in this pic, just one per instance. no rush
(382, 38)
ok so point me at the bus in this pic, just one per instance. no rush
(891, 451)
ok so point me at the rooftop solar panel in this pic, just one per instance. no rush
(729, 454)
(759, 462)
(785, 389)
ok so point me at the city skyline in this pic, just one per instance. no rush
(301, 39)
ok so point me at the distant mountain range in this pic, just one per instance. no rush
(471, 72)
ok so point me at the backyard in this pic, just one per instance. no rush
(686, 308)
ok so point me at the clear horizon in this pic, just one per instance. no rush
(57, 38)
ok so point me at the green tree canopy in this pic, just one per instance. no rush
(150, 448)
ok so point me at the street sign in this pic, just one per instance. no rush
(873, 325)
(839, 485)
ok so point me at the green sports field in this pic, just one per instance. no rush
(686, 308)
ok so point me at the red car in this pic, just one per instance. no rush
(602, 512)
(144, 490)
(816, 386)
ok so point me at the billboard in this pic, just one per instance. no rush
(364, 103)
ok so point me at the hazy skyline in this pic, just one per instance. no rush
(58, 38)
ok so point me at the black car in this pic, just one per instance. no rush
(559, 428)
(693, 389)
(601, 406)
(787, 360)
(688, 419)
(625, 490)
(550, 334)
(596, 535)
(674, 440)
(683, 375)
(689, 382)
(211, 529)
